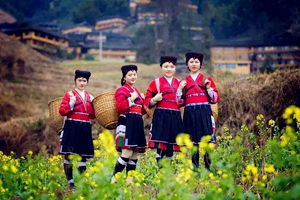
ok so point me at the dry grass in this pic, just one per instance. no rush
(265, 94)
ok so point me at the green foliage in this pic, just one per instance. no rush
(24, 9)
(228, 19)
(247, 166)
(36, 126)
(89, 57)
(93, 10)
(170, 34)
(67, 11)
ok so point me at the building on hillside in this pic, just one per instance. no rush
(51, 27)
(38, 38)
(114, 25)
(81, 28)
(146, 13)
(246, 55)
(114, 46)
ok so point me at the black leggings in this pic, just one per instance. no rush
(195, 159)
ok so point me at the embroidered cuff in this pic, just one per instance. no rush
(210, 92)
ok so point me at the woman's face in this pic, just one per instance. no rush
(194, 65)
(81, 83)
(168, 69)
(130, 77)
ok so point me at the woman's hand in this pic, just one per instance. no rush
(133, 96)
(182, 84)
(72, 101)
(207, 83)
(158, 97)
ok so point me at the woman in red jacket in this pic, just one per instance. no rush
(130, 135)
(76, 107)
(198, 93)
(166, 122)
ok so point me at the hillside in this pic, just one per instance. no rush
(34, 80)
(30, 80)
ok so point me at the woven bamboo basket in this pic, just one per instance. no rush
(214, 108)
(105, 110)
(56, 120)
(150, 111)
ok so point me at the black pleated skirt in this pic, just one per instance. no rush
(134, 137)
(77, 139)
(197, 121)
(166, 125)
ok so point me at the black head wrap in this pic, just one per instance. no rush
(194, 55)
(83, 74)
(171, 59)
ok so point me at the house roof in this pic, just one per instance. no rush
(25, 27)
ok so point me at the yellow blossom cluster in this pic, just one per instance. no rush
(136, 176)
(106, 140)
(269, 168)
(205, 145)
(184, 140)
(184, 175)
(251, 174)
(290, 113)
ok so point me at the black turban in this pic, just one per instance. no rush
(194, 55)
(171, 59)
(83, 74)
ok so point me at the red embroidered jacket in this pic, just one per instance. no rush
(83, 108)
(122, 102)
(195, 92)
(170, 100)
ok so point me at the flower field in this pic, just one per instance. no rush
(265, 165)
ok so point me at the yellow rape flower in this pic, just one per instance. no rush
(81, 197)
(211, 146)
(97, 153)
(243, 179)
(284, 140)
(259, 117)
(271, 123)
(288, 111)
(96, 143)
(264, 177)
(225, 176)
(203, 145)
(262, 184)
(269, 168)
(206, 138)
(4, 167)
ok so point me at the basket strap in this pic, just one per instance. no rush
(71, 94)
(157, 85)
